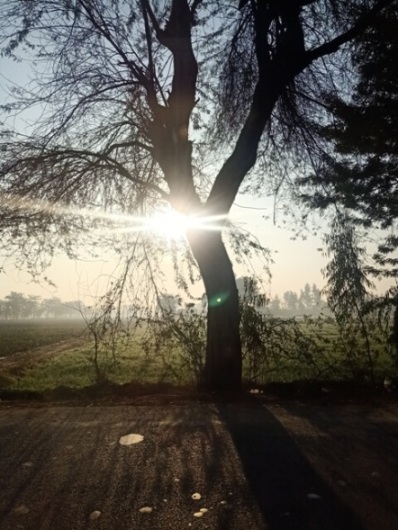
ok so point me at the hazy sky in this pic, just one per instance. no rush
(295, 262)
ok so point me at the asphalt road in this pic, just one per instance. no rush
(275, 467)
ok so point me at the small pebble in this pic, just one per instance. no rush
(130, 439)
(314, 496)
(198, 514)
(204, 510)
(94, 515)
(196, 496)
(145, 509)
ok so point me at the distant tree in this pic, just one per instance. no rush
(32, 307)
(3, 312)
(249, 290)
(275, 305)
(291, 301)
(317, 297)
(135, 99)
(15, 304)
(306, 302)
(54, 307)
(169, 303)
(74, 309)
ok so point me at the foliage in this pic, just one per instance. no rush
(182, 331)
(347, 281)
(347, 290)
(359, 170)
(276, 350)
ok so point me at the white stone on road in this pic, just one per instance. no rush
(314, 496)
(196, 496)
(130, 439)
(146, 509)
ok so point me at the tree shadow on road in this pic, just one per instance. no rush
(288, 490)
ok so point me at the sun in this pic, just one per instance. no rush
(169, 224)
(174, 225)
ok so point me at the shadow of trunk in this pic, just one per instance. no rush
(289, 492)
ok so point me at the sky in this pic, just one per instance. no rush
(295, 262)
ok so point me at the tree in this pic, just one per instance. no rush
(15, 304)
(275, 305)
(361, 172)
(131, 114)
(31, 307)
(291, 301)
(168, 303)
(348, 287)
(306, 301)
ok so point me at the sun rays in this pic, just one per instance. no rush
(165, 222)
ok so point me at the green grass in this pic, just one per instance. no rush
(74, 367)
(23, 335)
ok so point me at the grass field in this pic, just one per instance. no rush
(54, 353)
(18, 336)
(45, 354)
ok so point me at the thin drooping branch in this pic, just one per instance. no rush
(75, 154)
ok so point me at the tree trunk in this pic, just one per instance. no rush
(223, 366)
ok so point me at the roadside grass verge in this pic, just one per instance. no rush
(300, 351)
(74, 368)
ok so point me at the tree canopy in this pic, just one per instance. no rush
(135, 104)
(361, 172)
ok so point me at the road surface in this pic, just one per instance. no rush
(242, 466)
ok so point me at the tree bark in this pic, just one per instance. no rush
(223, 366)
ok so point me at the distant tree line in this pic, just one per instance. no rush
(18, 306)
(309, 301)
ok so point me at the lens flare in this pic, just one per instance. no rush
(166, 222)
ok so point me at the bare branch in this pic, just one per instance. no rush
(332, 46)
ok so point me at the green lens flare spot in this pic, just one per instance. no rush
(218, 299)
